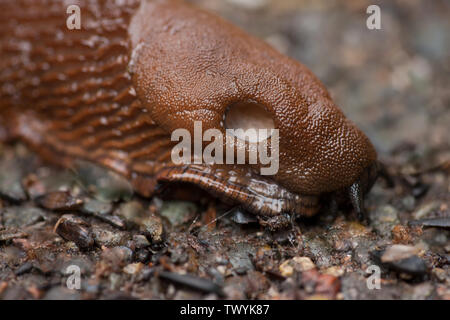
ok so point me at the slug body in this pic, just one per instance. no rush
(114, 92)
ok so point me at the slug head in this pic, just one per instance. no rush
(189, 65)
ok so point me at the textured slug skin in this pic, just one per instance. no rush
(113, 92)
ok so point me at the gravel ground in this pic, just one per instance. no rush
(392, 82)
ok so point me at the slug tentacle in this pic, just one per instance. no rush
(356, 197)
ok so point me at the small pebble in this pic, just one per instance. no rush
(133, 268)
(11, 180)
(73, 228)
(140, 241)
(193, 282)
(178, 212)
(286, 269)
(108, 238)
(104, 184)
(132, 211)
(398, 252)
(94, 206)
(403, 259)
(334, 271)
(440, 274)
(59, 201)
(425, 209)
(409, 202)
(303, 263)
(118, 256)
(101, 210)
(299, 264)
(152, 227)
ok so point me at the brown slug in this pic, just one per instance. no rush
(115, 90)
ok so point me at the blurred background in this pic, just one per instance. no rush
(393, 82)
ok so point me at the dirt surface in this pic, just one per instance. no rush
(392, 82)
